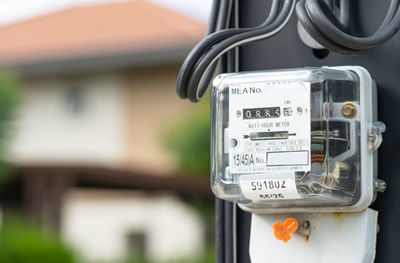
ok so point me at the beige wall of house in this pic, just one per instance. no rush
(74, 120)
(153, 107)
(115, 118)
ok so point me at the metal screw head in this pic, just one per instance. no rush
(299, 110)
(326, 109)
(233, 142)
(306, 224)
(349, 110)
(380, 185)
(315, 188)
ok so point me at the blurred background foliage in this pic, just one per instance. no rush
(188, 139)
(24, 242)
(8, 105)
(207, 257)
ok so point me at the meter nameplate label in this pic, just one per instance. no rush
(267, 187)
(269, 127)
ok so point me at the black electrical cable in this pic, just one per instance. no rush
(225, 10)
(317, 35)
(219, 203)
(201, 48)
(196, 88)
(322, 19)
(191, 83)
(208, 43)
(318, 20)
(344, 14)
(212, 22)
(219, 230)
(330, 3)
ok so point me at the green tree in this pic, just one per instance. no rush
(189, 140)
(8, 104)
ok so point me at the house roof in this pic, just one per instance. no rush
(98, 31)
(100, 177)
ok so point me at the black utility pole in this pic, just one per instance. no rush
(286, 50)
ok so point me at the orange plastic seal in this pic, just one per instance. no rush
(283, 231)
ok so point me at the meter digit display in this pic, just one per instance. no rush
(261, 113)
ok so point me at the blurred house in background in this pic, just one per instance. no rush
(98, 89)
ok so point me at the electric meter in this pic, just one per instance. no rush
(301, 140)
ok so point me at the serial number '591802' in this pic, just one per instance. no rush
(268, 185)
(263, 187)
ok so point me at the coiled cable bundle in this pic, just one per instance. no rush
(198, 68)
(318, 17)
(318, 20)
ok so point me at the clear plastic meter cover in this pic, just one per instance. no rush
(286, 138)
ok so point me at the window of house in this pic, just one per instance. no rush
(136, 246)
(75, 99)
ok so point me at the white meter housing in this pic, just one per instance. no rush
(300, 140)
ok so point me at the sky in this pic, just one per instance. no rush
(12, 11)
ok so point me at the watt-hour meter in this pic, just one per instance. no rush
(296, 140)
